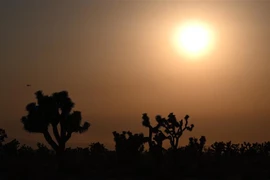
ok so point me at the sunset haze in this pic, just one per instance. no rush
(117, 61)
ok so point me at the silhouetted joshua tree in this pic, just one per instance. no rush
(173, 129)
(155, 136)
(54, 110)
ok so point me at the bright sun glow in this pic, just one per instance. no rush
(193, 39)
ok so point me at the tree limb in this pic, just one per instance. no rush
(56, 133)
(62, 127)
(49, 139)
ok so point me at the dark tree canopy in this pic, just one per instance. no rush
(54, 111)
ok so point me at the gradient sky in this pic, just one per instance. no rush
(116, 61)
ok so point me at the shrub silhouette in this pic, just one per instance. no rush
(218, 148)
(25, 150)
(265, 148)
(98, 154)
(97, 148)
(11, 148)
(54, 110)
(128, 146)
(231, 149)
(196, 147)
(43, 150)
(3, 136)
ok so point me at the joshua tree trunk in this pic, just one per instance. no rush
(61, 149)
(60, 154)
(150, 139)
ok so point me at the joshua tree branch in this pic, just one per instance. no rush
(49, 139)
(56, 133)
(62, 127)
(150, 136)
(186, 124)
(182, 129)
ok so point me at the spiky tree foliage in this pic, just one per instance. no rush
(175, 129)
(172, 129)
(54, 111)
(3, 136)
(155, 135)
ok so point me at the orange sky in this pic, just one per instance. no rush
(116, 61)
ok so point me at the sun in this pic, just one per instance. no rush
(193, 39)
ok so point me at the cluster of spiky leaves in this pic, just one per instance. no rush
(53, 110)
(168, 128)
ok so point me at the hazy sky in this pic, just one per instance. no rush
(116, 60)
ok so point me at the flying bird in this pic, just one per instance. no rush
(28, 85)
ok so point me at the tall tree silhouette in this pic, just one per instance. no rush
(54, 111)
